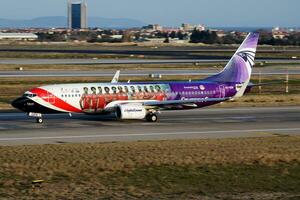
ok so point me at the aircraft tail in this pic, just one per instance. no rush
(239, 68)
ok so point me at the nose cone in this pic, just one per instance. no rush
(20, 103)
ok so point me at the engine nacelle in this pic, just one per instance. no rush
(131, 111)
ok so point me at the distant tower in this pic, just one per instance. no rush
(77, 14)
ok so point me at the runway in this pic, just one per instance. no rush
(131, 61)
(18, 129)
(104, 61)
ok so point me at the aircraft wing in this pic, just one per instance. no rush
(183, 102)
(269, 83)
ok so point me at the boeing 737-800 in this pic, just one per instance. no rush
(144, 100)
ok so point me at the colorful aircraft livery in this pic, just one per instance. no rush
(144, 100)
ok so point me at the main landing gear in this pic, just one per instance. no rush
(151, 117)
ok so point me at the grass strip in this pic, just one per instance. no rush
(184, 169)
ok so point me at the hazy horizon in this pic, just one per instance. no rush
(215, 13)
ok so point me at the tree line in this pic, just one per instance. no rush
(266, 38)
(206, 37)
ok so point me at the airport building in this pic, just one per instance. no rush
(18, 36)
(77, 14)
(190, 27)
(153, 27)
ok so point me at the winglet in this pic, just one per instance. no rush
(116, 77)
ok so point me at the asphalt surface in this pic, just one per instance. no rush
(130, 61)
(134, 73)
(18, 129)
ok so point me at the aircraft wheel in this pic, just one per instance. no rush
(151, 117)
(39, 120)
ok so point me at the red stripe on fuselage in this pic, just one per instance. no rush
(54, 100)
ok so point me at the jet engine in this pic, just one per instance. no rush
(131, 111)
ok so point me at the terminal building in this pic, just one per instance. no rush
(77, 14)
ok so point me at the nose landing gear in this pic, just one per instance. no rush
(38, 117)
(39, 120)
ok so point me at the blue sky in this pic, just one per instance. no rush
(169, 12)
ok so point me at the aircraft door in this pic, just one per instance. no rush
(222, 91)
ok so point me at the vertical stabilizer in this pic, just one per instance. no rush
(239, 68)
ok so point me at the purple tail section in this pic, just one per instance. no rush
(239, 68)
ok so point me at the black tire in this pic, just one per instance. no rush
(151, 117)
(39, 120)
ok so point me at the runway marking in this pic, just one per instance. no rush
(149, 134)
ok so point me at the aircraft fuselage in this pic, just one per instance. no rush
(93, 98)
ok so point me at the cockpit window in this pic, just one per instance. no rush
(31, 95)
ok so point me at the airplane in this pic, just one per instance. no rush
(144, 100)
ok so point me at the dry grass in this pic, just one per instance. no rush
(263, 100)
(151, 169)
(93, 67)
(137, 46)
(218, 66)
